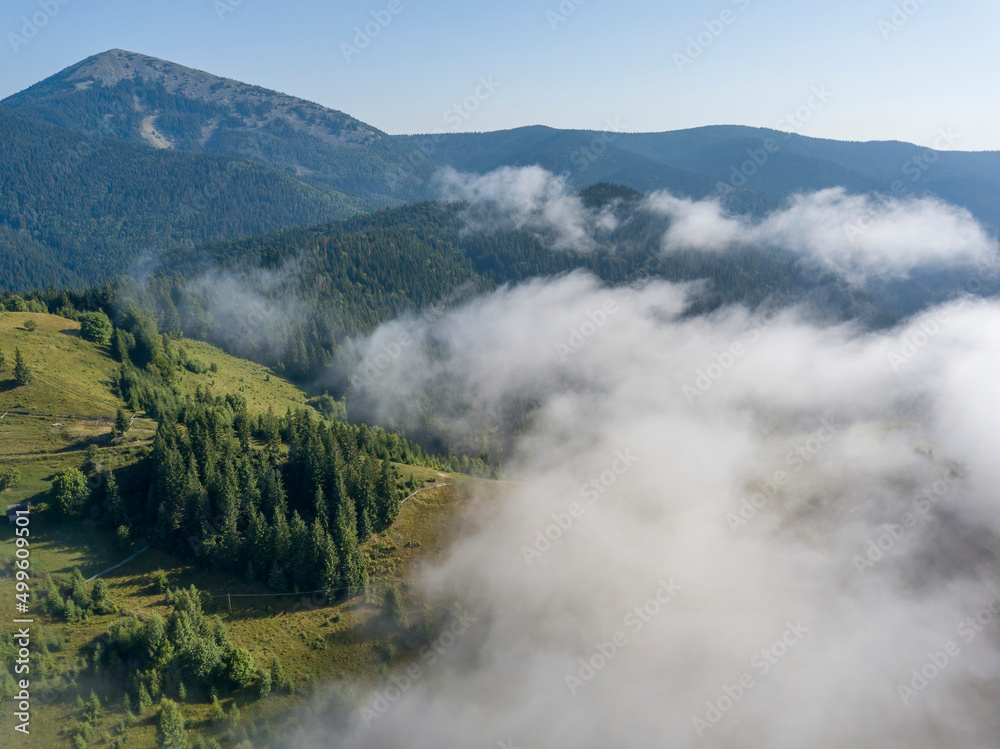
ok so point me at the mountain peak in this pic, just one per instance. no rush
(135, 97)
(115, 65)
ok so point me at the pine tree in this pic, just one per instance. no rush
(277, 579)
(121, 421)
(351, 572)
(281, 539)
(365, 499)
(256, 550)
(172, 723)
(114, 508)
(79, 588)
(263, 683)
(386, 497)
(216, 714)
(278, 678)
(197, 510)
(319, 508)
(325, 563)
(394, 607)
(298, 553)
(272, 491)
(91, 459)
(99, 595)
(22, 374)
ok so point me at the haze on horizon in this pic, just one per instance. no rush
(894, 71)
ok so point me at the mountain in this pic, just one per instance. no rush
(761, 161)
(76, 208)
(122, 156)
(133, 97)
(584, 157)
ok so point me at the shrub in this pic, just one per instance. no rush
(14, 303)
(216, 715)
(123, 537)
(171, 725)
(145, 701)
(240, 667)
(70, 492)
(263, 683)
(161, 582)
(8, 477)
(394, 607)
(96, 327)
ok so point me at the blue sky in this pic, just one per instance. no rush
(904, 70)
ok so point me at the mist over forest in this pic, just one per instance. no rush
(565, 417)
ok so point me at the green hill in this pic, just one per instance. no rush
(60, 421)
(70, 402)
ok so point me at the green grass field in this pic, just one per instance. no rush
(70, 403)
(346, 642)
(349, 642)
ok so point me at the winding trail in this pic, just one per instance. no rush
(125, 561)
(422, 489)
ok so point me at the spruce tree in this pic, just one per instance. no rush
(22, 374)
(197, 511)
(325, 564)
(278, 678)
(298, 553)
(121, 421)
(386, 497)
(277, 578)
(256, 546)
(319, 508)
(172, 723)
(281, 539)
(114, 508)
(351, 573)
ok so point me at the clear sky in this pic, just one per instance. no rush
(893, 69)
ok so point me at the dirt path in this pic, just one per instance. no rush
(126, 561)
(423, 489)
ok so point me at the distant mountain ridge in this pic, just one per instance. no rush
(694, 162)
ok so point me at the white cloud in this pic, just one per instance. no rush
(526, 198)
(856, 235)
(820, 411)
